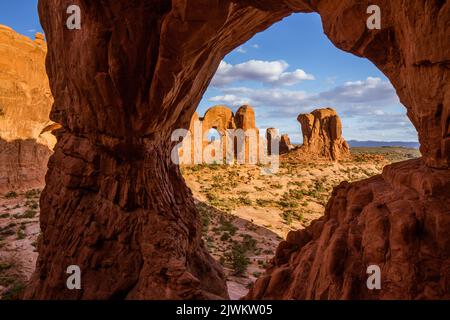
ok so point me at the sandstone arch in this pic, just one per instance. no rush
(220, 118)
(114, 203)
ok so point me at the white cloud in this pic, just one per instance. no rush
(370, 108)
(267, 72)
(369, 90)
(364, 98)
(241, 50)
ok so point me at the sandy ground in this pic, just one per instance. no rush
(19, 229)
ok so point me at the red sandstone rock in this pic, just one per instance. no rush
(25, 103)
(398, 220)
(245, 118)
(116, 206)
(322, 135)
(220, 118)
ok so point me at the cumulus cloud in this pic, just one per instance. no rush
(359, 98)
(370, 108)
(369, 90)
(268, 72)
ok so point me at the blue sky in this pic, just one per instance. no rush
(290, 68)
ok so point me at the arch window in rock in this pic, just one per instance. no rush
(139, 226)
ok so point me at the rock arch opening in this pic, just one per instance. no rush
(273, 207)
(116, 206)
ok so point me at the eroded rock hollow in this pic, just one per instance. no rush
(116, 205)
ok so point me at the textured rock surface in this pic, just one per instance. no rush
(322, 134)
(284, 145)
(23, 164)
(25, 103)
(116, 206)
(398, 220)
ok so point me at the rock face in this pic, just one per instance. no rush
(116, 205)
(398, 221)
(322, 134)
(245, 118)
(25, 103)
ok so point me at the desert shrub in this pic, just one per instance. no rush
(225, 236)
(244, 200)
(29, 214)
(263, 202)
(15, 291)
(248, 243)
(239, 260)
(5, 266)
(35, 193)
(20, 234)
(227, 226)
(205, 216)
(11, 195)
(289, 215)
(287, 204)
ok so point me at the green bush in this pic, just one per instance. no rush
(11, 195)
(239, 261)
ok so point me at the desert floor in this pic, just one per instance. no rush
(245, 214)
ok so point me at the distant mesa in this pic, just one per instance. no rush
(381, 144)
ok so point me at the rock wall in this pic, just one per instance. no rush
(398, 221)
(25, 103)
(115, 204)
(322, 135)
